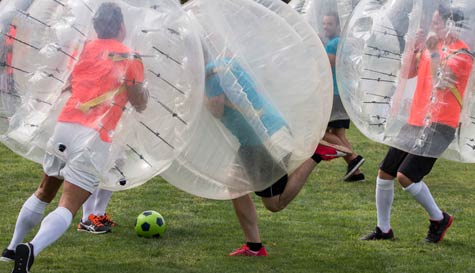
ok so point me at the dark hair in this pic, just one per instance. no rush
(108, 20)
(454, 14)
(333, 14)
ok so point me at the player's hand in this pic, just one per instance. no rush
(431, 42)
(420, 38)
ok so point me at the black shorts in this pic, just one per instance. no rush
(260, 166)
(415, 167)
(341, 123)
(276, 188)
(437, 138)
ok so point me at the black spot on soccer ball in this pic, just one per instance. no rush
(159, 221)
(147, 213)
(145, 226)
(156, 235)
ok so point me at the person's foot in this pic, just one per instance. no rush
(8, 255)
(244, 250)
(24, 258)
(93, 225)
(378, 234)
(356, 178)
(437, 229)
(327, 152)
(353, 166)
(107, 221)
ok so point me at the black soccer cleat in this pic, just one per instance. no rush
(377, 234)
(437, 229)
(356, 178)
(8, 255)
(353, 166)
(24, 258)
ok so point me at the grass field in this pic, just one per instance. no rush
(318, 232)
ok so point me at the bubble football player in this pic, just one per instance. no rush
(78, 142)
(252, 154)
(339, 120)
(441, 49)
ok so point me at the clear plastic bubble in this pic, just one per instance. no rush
(405, 73)
(267, 98)
(48, 44)
(314, 12)
(9, 99)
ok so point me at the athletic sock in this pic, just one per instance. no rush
(102, 200)
(88, 206)
(254, 246)
(53, 226)
(30, 215)
(317, 158)
(422, 194)
(384, 202)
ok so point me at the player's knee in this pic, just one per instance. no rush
(403, 179)
(274, 206)
(384, 175)
(45, 195)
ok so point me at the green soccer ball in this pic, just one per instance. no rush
(150, 224)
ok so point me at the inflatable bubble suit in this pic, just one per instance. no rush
(315, 10)
(46, 42)
(405, 73)
(327, 18)
(267, 98)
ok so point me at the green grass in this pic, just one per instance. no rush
(318, 232)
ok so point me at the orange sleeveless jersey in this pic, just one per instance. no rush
(446, 109)
(9, 43)
(99, 71)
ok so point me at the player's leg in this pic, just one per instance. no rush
(88, 208)
(52, 227)
(292, 187)
(31, 213)
(102, 201)
(385, 194)
(58, 221)
(410, 176)
(247, 216)
(94, 219)
(287, 188)
(336, 133)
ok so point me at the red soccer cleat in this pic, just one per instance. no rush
(327, 152)
(244, 250)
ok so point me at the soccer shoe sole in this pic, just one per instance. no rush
(352, 171)
(451, 219)
(337, 147)
(86, 229)
(5, 259)
(22, 259)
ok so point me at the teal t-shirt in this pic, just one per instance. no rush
(331, 48)
(225, 76)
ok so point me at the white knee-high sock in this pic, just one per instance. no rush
(422, 194)
(53, 226)
(102, 200)
(30, 215)
(384, 202)
(89, 205)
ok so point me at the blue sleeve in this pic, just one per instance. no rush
(332, 46)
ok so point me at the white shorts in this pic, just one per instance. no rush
(76, 154)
